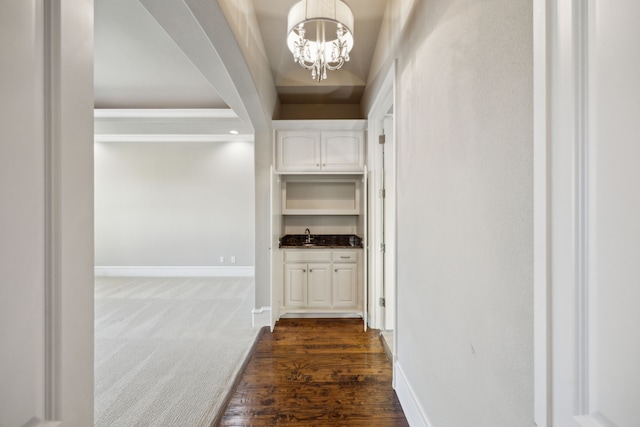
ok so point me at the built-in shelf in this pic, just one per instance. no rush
(321, 197)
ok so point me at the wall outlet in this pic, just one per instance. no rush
(233, 259)
(221, 259)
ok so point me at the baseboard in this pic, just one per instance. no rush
(37, 422)
(261, 317)
(141, 271)
(413, 410)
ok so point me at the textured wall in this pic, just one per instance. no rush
(465, 199)
(174, 204)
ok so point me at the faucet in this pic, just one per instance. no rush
(308, 233)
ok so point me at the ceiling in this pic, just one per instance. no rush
(139, 66)
(293, 83)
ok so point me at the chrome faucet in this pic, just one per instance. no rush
(308, 233)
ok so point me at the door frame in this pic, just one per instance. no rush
(384, 100)
(563, 37)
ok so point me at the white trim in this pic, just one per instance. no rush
(384, 99)
(164, 113)
(581, 204)
(37, 422)
(261, 317)
(595, 420)
(348, 124)
(174, 271)
(52, 47)
(171, 138)
(413, 410)
(541, 313)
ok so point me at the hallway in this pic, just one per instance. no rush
(316, 372)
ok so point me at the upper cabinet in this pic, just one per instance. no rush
(319, 146)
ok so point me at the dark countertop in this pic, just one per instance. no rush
(321, 241)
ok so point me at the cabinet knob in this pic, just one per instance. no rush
(317, 164)
(310, 271)
(336, 270)
(304, 271)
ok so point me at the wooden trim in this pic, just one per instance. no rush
(238, 377)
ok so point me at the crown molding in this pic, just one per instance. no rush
(164, 113)
(171, 138)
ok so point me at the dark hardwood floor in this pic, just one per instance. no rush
(316, 372)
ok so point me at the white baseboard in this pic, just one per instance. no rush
(413, 410)
(261, 317)
(37, 422)
(141, 271)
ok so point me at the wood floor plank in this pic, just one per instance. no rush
(316, 372)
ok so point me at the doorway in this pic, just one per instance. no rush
(382, 213)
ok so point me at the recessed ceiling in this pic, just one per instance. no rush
(137, 64)
(293, 83)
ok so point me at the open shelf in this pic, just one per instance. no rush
(321, 197)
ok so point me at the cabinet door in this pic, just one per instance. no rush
(295, 285)
(319, 285)
(298, 151)
(345, 285)
(342, 151)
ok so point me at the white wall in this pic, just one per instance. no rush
(46, 218)
(174, 203)
(464, 208)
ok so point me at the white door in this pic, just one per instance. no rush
(295, 285)
(588, 289)
(342, 151)
(381, 258)
(275, 260)
(345, 285)
(389, 222)
(298, 151)
(319, 285)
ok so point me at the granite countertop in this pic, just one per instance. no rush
(320, 241)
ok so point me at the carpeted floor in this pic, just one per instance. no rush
(167, 350)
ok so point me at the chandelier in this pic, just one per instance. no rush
(309, 43)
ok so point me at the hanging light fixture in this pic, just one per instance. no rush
(330, 17)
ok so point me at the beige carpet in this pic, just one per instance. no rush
(167, 350)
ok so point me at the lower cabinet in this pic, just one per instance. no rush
(345, 285)
(307, 285)
(318, 279)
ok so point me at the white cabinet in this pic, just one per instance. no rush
(345, 283)
(342, 151)
(307, 285)
(345, 278)
(295, 285)
(319, 146)
(298, 151)
(319, 281)
(319, 285)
